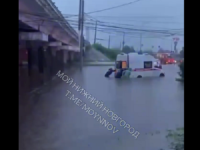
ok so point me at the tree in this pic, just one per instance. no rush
(176, 139)
(110, 53)
(126, 49)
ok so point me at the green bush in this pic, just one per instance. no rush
(176, 139)
(110, 53)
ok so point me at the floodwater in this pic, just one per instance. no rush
(150, 105)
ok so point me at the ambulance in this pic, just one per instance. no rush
(142, 65)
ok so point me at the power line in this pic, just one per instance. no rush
(105, 9)
(111, 31)
(104, 27)
(103, 24)
(135, 29)
(136, 16)
(136, 19)
(125, 4)
(129, 34)
(175, 33)
(116, 28)
(134, 25)
(63, 19)
(127, 24)
(157, 22)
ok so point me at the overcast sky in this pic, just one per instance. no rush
(144, 14)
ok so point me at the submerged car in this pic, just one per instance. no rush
(170, 61)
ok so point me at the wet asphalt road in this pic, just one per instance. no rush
(152, 106)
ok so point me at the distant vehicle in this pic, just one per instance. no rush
(142, 65)
(165, 58)
(170, 60)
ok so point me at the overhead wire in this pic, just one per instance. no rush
(136, 16)
(109, 31)
(135, 29)
(129, 25)
(122, 5)
(102, 27)
(65, 20)
(140, 21)
(110, 8)
(92, 18)
(113, 29)
(136, 21)
(102, 30)
(105, 28)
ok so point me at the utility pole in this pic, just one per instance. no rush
(140, 41)
(95, 33)
(109, 42)
(123, 41)
(171, 42)
(143, 24)
(176, 39)
(80, 28)
(175, 45)
(87, 33)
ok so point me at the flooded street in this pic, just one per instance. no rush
(150, 105)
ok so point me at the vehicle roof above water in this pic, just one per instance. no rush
(121, 57)
(143, 57)
(135, 57)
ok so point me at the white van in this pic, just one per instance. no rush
(142, 65)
